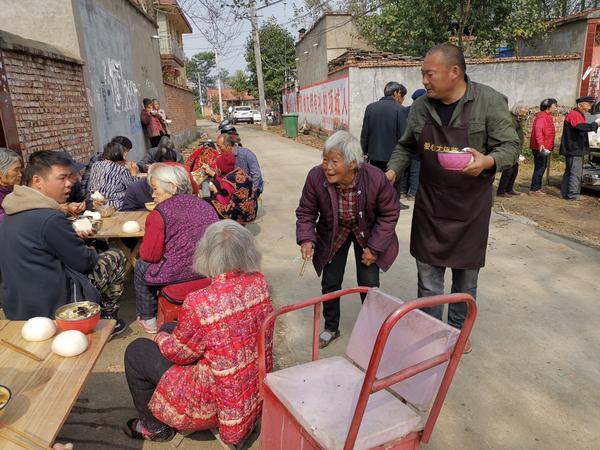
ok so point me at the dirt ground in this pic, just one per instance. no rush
(577, 219)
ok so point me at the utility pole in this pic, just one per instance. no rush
(200, 94)
(259, 72)
(219, 83)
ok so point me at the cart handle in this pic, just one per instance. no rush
(372, 385)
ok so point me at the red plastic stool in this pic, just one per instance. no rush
(171, 297)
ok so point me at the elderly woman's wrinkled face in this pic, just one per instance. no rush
(158, 193)
(13, 175)
(336, 170)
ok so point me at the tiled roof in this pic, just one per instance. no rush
(228, 94)
(362, 58)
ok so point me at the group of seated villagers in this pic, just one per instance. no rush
(187, 377)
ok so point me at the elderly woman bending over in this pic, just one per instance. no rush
(173, 230)
(205, 373)
(346, 202)
(11, 167)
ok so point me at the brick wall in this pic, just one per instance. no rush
(50, 104)
(181, 110)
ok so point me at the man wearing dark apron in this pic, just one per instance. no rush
(452, 208)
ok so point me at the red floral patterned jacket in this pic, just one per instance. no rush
(214, 379)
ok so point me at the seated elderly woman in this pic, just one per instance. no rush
(204, 373)
(233, 194)
(11, 168)
(205, 154)
(172, 231)
(113, 175)
(165, 151)
(346, 202)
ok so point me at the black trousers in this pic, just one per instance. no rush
(155, 140)
(333, 276)
(144, 366)
(507, 179)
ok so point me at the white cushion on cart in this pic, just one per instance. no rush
(415, 338)
(322, 396)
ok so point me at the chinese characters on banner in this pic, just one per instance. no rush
(324, 105)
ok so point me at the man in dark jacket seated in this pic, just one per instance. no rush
(44, 263)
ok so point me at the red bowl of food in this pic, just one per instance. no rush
(80, 316)
(454, 160)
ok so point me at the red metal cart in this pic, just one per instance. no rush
(386, 393)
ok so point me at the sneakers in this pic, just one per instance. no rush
(119, 328)
(148, 325)
(514, 193)
(326, 337)
(538, 193)
(403, 206)
(504, 195)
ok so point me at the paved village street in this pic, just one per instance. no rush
(531, 382)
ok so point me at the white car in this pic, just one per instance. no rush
(242, 114)
(256, 115)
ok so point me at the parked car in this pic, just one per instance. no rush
(242, 114)
(256, 115)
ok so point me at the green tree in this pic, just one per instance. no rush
(278, 60)
(409, 27)
(239, 83)
(200, 66)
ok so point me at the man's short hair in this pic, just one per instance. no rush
(124, 141)
(453, 55)
(547, 103)
(146, 102)
(41, 162)
(227, 140)
(392, 87)
(113, 151)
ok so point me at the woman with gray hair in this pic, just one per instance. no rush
(11, 168)
(172, 231)
(203, 372)
(506, 185)
(344, 202)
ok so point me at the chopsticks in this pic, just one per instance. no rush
(20, 350)
(28, 437)
(301, 274)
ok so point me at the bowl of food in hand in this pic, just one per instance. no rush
(5, 395)
(455, 160)
(81, 316)
(150, 206)
(86, 224)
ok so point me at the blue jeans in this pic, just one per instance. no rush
(431, 282)
(540, 161)
(146, 300)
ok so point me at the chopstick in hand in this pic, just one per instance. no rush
(20, 350)
(301, 274)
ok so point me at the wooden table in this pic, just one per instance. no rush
(43, 393)
(112, 229)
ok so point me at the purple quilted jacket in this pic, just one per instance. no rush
(186, 218)
(378, 212)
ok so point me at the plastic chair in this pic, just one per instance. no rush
(388, 390)
(171, 297)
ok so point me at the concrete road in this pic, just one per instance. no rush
(531, 382)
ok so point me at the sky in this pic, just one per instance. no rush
(232, 57)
